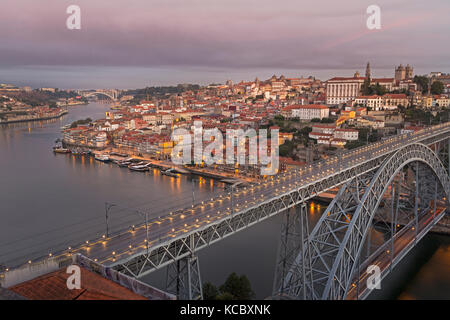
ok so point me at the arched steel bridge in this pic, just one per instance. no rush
(112, 94)
(399, 185)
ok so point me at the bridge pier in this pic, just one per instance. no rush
(183, 279)
(290, 269)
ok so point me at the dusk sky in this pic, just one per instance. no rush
(138, 43)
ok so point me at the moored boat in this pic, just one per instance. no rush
(140, 168)
(61, 150)
(170, 173)
(102, 157)
(124, 164)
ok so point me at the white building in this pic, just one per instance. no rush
(321, 128)
(343, 89)
(346, 134)
(374, 102)
(333, 136)
(306, 112)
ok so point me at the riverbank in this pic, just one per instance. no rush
(32, 118)
(74, 104)
(167, 165)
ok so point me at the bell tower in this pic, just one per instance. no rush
(368, 71)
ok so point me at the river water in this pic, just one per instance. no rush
(49, 201)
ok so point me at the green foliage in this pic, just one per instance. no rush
(61, 94)
(364, 135)
(80, 122)
(354, 144)
(315, 120)
(140, 94)
(326, 120)
(235, 288)
(238, 286)
(33, 98)
(287, 149)
(415, 114)
(210, 291)
(437, 87)
(225, 296)
(39, 98)
(305, 130)
(376, 89)
(365, 88)
(422, 82)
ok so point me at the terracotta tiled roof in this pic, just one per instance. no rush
(346, 78)
(53, 286)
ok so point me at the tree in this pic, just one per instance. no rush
(376, 89)
(286, 149)
(326, 120)
(237, 286)
(210, 291)
(366, 87)
(354, 144)
(225, 296)
(379, 89)
(437, 87)
(80, 122)
(422, 82)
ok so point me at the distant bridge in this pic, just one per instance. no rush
(113, 94)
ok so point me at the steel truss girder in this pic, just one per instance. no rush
(161, 255)
(170, 250)
(334, 255)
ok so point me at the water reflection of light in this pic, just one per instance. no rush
(172, 185)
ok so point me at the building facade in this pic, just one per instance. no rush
(342, 89)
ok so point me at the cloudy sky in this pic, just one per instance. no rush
(134, 43)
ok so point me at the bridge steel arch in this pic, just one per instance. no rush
(112, 97)
(333, 257)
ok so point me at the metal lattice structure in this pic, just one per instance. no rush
(183, 279)
(164, 254)
(336, 243)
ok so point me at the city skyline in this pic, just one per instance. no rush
(170, 42)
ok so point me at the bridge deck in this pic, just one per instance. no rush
(402, 245)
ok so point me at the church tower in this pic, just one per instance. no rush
(368, 71)
(409, 72)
